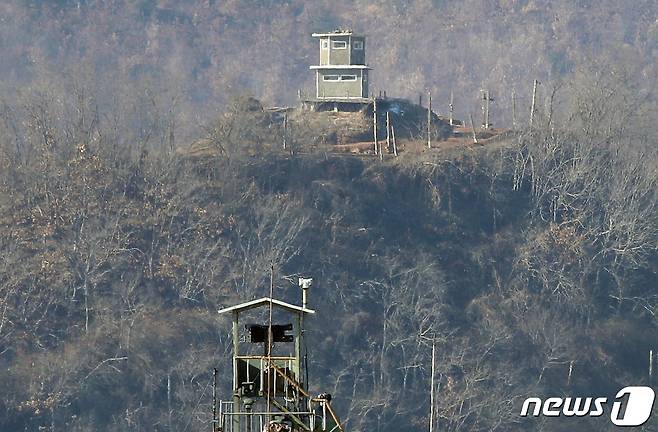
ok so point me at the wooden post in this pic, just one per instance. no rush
(432, 389)
(475, 138)
(214, 400)
(483, 109)
(534, 101)
(374, 122)
(513, 108)
(388, 132)
(452, 107)
(486, 99)
(650, 366)
(285, 128)
(395, 145)
(169, 398)
(487, 102)
(420, 100)
(172, 135)
(429, 120)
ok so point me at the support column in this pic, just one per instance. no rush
(298, 350)
(236, 384)
(374, 123)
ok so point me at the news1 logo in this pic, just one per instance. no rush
(631, 407)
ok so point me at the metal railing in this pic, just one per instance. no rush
(257, 373)
(254, 421)
(290, 412)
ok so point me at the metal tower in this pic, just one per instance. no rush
(270, 393)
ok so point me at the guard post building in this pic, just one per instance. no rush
(342, 74)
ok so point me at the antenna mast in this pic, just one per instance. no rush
(269, 342)
(432, 391)
(214, 400)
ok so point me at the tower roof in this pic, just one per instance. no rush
(337, 32)
(334, 66)
(265, 301)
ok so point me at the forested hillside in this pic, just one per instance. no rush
(189, 58)
(521, 259)
(531, 262)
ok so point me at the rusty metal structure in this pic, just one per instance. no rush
(270, 380)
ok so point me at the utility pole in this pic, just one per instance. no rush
(214, 400)
(513, 108)
(432, 389)
(486, 99)
(285, 128)
(388, 132)
(650, 367)
(429, 120)
(374, 122)
(395, 145)
(451, 106)
(534, 101)
(169, 398)
(475, 138)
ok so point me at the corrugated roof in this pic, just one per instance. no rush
(265, 301)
